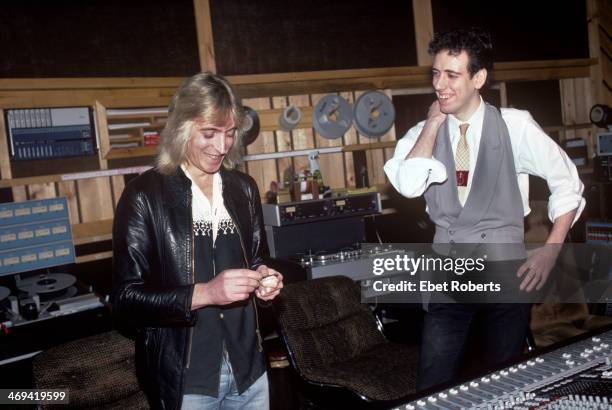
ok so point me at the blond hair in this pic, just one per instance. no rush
(205, 96)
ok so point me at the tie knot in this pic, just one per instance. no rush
(463, 128)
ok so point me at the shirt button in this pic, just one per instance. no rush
(451, 241)
(483, 235)
(451, 232)
(220, 315)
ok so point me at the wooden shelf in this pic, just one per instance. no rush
(117, 153)
(155, 92)
(90, 232)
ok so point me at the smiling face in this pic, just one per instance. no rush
(209, 143)
(457, 91)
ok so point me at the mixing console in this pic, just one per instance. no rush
(576, 376)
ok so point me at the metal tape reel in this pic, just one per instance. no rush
(46, 283)
(290, 118)
(251, 126)
(374, 114)
(332, 116)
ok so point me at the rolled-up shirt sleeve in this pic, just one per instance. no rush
(541, 156)
(411, 177)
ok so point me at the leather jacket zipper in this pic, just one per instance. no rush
(190, 340)
(257, 332)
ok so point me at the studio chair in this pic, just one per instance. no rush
(98, 372)
(336, 347)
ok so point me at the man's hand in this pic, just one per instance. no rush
(231, 285)
(435, 115)
(270, 284)
(539, 263)
(423, 148)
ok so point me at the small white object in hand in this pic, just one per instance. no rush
(269, 283)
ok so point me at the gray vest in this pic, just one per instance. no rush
(493, 211)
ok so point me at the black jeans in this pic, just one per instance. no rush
(445, 333)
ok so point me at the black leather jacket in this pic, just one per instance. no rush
(153, 270)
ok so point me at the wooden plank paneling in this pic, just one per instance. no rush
(568, 106)
(118, 184)
(104, 83)
(264, 172)
(375, 157)
(5, 164)
(102, 130)
(349, 138)
(206, 48)
(41, 191)
(423, 28)
(111, 98)
(20, 193)
(283, 143)
(302, 138)
(68, 190)
(92, 231)
(389, 136)
(329, 164)
(95, 199)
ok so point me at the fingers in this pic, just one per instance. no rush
(240, 273)
(534, 279)
(275, 273)
(523, 268)
(238, 284)
(541, 283)
(528, 281)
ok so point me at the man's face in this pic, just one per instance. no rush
(209, 143)
(457, 91)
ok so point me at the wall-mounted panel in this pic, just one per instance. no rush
(269, 36)
(522, 30)
(98, 38)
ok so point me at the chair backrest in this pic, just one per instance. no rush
(98, 371)
(323, 321)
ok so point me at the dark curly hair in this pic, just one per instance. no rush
(476, 42)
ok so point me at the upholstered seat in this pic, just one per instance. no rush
(333, 340)
(98, 372)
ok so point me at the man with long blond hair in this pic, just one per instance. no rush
(188, 247)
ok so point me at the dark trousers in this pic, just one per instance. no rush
(446, 330)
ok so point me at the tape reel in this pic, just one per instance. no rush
(251, 126)
(332, 116)
(289, 118)
(374, 114)
(46, 284)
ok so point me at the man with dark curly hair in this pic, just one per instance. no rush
(471, 162)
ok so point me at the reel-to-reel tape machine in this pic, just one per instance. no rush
(36, 235)
(44, 296)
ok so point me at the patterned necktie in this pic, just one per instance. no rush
(462, 163)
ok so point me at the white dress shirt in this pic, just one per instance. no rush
(534, 153)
